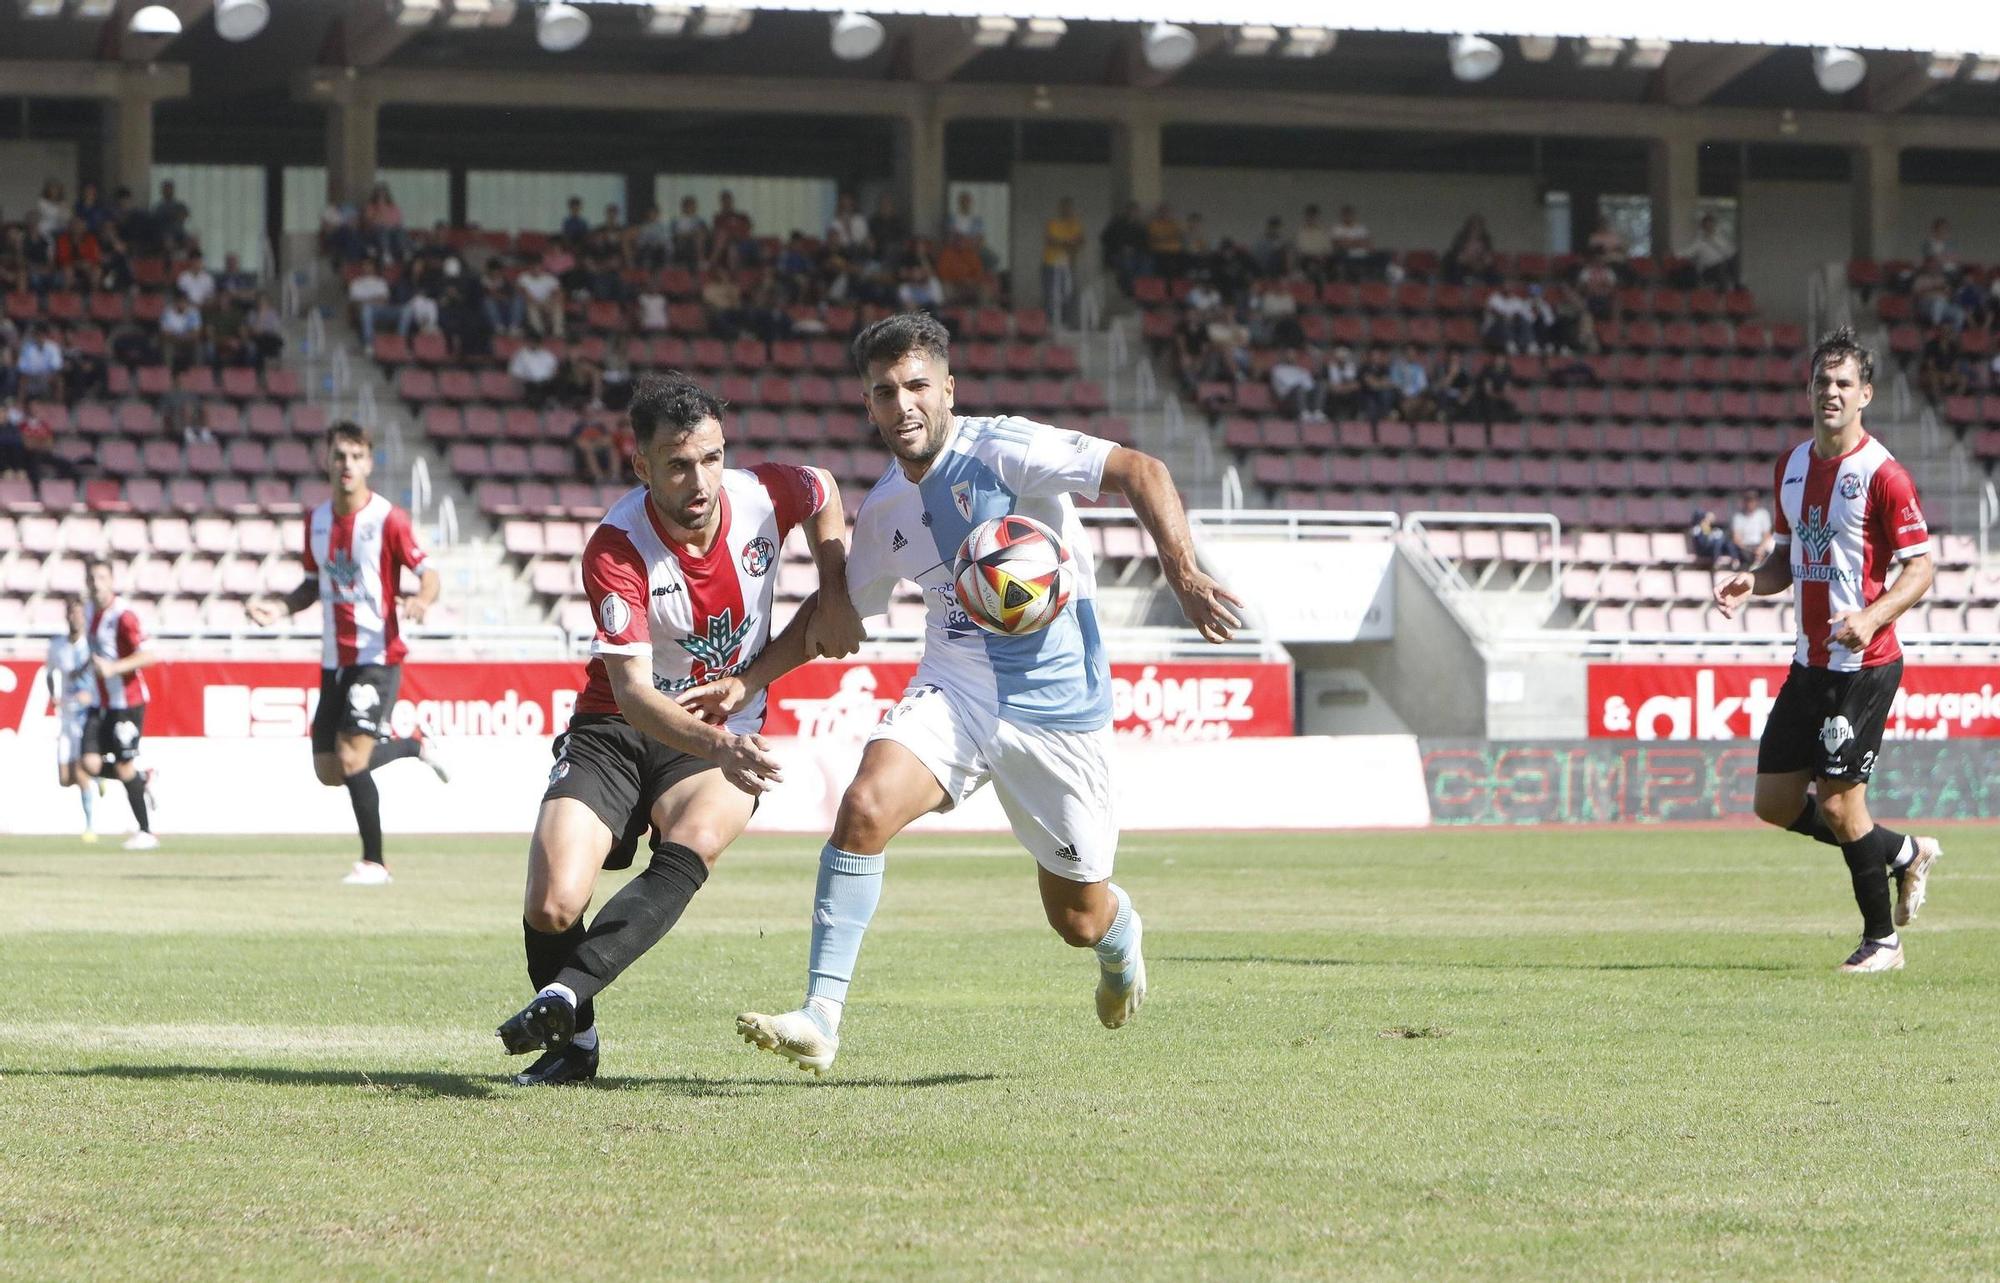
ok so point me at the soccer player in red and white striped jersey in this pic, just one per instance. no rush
(682, 577)
(1848, 514)
(357, 544)
(118, 656)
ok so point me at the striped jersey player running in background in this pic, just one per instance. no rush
(117, 719)
(357, 545)
(1847, 513)
(72, 692)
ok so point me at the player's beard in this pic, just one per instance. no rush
(926, 449)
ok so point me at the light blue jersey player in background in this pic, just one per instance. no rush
(1030, 714)
(72, 689)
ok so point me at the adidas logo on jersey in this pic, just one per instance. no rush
(898, 543)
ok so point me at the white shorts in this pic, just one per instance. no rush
(69, 735)
(1055, 786)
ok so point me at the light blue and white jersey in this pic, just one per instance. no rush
(71, 661)
(1058, 678)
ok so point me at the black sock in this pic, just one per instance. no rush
(1868, 861)
(633, 921)
(1894, 851)
(1812, 824)
(548, 952)
(367, 800)
(393, 751)
(135, 793)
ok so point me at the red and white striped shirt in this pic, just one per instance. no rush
(698, 615)
(1846, 521)
(359, 559)
(114, 633)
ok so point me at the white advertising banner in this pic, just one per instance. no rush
(1310, 590)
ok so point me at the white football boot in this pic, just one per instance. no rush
(367, 873)
(1116, 1002)
(795, 1035)
(1910, 879)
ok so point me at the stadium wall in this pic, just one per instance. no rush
(25, 166)
(1790, 230)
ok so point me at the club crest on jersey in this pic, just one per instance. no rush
(1834, 732)
(1850, 486)
(717, 647)
(1815, 534)
(758, 555)
(961, 498)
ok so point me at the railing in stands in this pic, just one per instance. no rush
(447, 522)
(1090, 306)
(1471, 602)
(315, 344)
(420, 489)
(1146, 386)
(1232, 488)
(431, 642)
(1989, 513)
(340, 371)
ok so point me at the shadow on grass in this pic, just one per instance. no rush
(422, 1085)
(1484, 966)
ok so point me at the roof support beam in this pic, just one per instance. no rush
(98, 80)
(936, 49)
(369, 33)
(1695, 73)
(1896, 81)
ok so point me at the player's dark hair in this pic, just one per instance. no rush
(1840, 345)
(348, 430)
(892, 338)
(670, 402)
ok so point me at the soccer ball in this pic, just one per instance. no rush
(1013, 576)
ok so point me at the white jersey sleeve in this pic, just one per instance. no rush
(1037, 461)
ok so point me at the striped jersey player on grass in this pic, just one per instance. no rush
(1031, 714)
(1847, 513)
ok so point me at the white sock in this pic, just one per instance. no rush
(826, 1011)
(1891, 940)
(564, 992)
(585, 1041)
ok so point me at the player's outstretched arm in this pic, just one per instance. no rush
(715, 702)
(745, 760)
(1771, 575)
(1149, 488)
(1856, 629)
(270, 611)
(834, 629)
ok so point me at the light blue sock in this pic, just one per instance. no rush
(89, 807)
(1114, 951)
(844, 900)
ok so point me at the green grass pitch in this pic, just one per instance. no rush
(1494, 1055)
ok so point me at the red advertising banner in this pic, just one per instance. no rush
(257, 699)
(1732, 701)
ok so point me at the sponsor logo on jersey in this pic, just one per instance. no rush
(1850, 486)
(665, 590)
(1834, 732)
(561, 769)
(363, 698)
(344, 572)
(614, 614)
(716, 647)
(758, 555)
(1816, 534)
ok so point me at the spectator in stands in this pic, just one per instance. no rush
(79, 255)
(574, 226)
(1710, 543)
(13, 259)
(722, 297)
(1711, 256)
(1541, 319)
(170, 216)
(52, 212)
(368, 295)
(1492, 391)
(1062, 239)
(614, 223)
(1574, 330)
(340, 231)
(1271, 251)
(38, 448)
(90, 207)
(1354, 247)
(234, 285)
(962, 272)
(729, 232)
(1598, 285)
(535, 368)
(1941, 372)
(504, 307)
(1750, 527)
(1276, 314)
(1165, 240)
(1377, 398)
(1123, 246)
(888, 229)
(1312, 246)
(462, 317)
(1607, 245)
(229, 337)
(541, 297)
(196, 283)
(133, 345)
(766, 311)
(1227, 355)
(1343, 383)
(1412, 381)
(1932, 296)
(1452, 387)
(651, 309)
(1198, 255)
(1295, 389)
(652, 241)
(1469, 257)
(847, 230)
(691, 241)
(267, 330)
(596, 458)
(1937, 245)
(13, 453)
(384, 221)
(181, 332)
(38, 367)
(604, 265)
(966, 224)
(420, 314)
(1508, 325)
(133, 221)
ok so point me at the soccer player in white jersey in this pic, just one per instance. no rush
(71, 688)
(1030, 714)
(681, 578)
(357, 545)
(113, 729)
(1847, 513)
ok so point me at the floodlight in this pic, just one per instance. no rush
(1599, 51)
(1474, 57)
(156, 20)
(856, 36)
(1943, 66)
(88, 8)
(1986, 68)
(241, 19)
(1838, 70)
(560, 28)
(1042, 33)
(1308, 42)
(992, 33)
(41, 8)
(416, 13)
(469, 13)
(1167, 46)
(1648, 53)
(668, 18)
(1537, 48)
(1253, 41)
(719, 21)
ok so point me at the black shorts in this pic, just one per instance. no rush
(114, 733)
(1829, 723)
(355, 700)
(609, 766)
